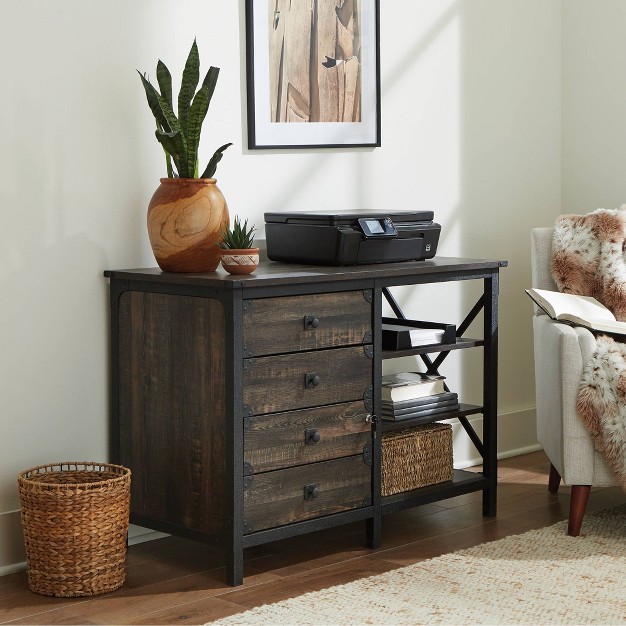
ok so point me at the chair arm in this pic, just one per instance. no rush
(561, 352)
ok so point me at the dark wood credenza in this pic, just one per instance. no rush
(246, 406)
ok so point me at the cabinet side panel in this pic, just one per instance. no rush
(172, 407)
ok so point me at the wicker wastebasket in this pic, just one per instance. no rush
(75, 522)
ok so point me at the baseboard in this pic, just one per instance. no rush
(516, 435)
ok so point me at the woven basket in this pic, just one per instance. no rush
(75, 522)
(416, 457)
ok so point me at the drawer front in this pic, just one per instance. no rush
(300, 493)
(283, 440)
(296, 323)
(297, 381)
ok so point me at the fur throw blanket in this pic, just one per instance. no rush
(588, 259)
(602, 403)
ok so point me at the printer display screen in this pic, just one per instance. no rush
(374, 226)
(382, 228)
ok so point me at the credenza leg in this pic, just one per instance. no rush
(372, 530)
(234, 570)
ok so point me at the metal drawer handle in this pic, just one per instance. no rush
(311, 491)
(311, 379)
(311, 436)
(311, 322)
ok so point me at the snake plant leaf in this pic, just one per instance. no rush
(153, 96)
(210, 80)
(191, 76)
(215, 159)
(197, 113)
(164, 78)
(172, 121)
(174, 144)
(168, 157)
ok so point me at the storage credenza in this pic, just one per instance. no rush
(246, 406)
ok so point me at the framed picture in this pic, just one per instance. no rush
(313, 73)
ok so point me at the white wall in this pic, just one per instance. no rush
(471, 127)
(594, 102)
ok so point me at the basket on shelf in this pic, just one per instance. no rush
(416, 457)
(75, 520)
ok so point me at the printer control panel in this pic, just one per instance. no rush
(381, 227)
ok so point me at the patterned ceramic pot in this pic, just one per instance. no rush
(186, 221)
(240, 261)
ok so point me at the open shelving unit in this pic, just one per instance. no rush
(463, 481)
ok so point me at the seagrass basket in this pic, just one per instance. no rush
(75, 521)
(416, 457)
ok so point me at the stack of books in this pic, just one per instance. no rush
(411, 395)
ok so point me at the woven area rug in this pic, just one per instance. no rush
(540, 577)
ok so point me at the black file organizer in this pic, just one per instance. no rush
(401, 340)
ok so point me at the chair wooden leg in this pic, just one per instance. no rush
(554, 481)
(578, 504)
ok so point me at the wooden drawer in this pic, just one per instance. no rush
(300, 493)
(296, 381)
(283, 440)
(296, 323)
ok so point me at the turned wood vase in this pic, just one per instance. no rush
(186, 220)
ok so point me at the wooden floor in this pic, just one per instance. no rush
(174, 581)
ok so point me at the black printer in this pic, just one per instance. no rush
(351, 238)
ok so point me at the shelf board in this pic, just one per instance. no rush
(461, 343)
(464, 409)
(462, 482)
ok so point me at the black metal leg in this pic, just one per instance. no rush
(373, 530)
(234, 570)
(490, 395)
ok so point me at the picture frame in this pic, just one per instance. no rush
(313, 73)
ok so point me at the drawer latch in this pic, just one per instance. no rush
(311, 491)
(311, 322)
(311, 436)
(311, 379)
(367, 453)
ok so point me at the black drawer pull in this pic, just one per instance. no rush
(311, 322)
(311, 491)
(311, 379)
(311, 436)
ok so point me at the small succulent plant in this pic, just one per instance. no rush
(180, 135)
(239, 237)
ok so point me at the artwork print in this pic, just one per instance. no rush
(315, 65)
(313, 73)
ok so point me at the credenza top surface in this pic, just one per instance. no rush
(271, 273)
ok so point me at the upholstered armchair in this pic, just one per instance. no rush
(561, 352)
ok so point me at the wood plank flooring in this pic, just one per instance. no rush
(175, 581)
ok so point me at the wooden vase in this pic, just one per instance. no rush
(186, 220)
(240, 261)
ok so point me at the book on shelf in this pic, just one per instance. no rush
(432, 402)
(420, 412)
(440, 403)
(577, 310)
(437, 398)
(410, 385)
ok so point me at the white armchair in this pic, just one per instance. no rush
(561, 352)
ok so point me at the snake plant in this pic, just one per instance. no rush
(180, 135)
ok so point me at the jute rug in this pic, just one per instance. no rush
(540, 577)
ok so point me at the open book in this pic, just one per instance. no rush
(579, 310)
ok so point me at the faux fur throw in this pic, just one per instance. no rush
(602, 403)
(588, 259)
